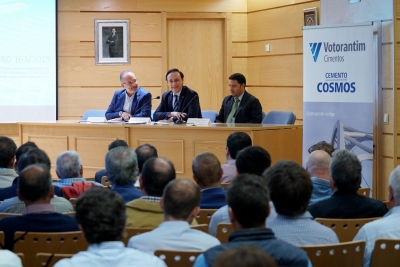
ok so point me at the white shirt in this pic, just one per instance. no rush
(128, 103)
(9, 259)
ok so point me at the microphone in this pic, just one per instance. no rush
(182, 121)
(157, 97)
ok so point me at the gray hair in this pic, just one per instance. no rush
(394, 183)
(123, 73)
(345, 170)
(121, 165)
(68, 164)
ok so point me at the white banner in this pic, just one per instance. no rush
(338, 83)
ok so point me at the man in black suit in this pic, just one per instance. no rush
(112, 40)
(240, 106)
(180, 103)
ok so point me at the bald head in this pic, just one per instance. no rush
(317, 164)
(34, 184)
(207, 171)
(156, 174)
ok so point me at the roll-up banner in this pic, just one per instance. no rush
(338, 90)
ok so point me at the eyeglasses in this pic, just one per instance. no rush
(131, 82)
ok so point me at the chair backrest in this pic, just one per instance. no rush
(348, 254)
(209, 114)
(386, 253)
(105, 182)
(32, 243)
(152, 113)
(365, 191)
(73, 202)
(1, 240)
(387, 203)
(200, 227)
(223, 232)
(49, 259)
(2, 215)
(345, 229)
(178, 258)
(204, 216)
(263, 114)
(279, 117)
(130, 231)
(225, 185)
(93, 113)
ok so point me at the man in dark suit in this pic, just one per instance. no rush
(240, 106)
(132, 101)
(112, 40)
(207, 173)
(180, 103)
(345, 203)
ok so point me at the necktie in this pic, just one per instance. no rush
(175, 102)
(233, 110)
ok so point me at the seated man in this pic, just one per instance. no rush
(114, 144)
(132, 101)
(146, 212)
(317, 165)
(121, 166)
(207, 174)
(14, 204)
(101, 216)
(248, 200)
(290, 186)
(180, 103)
(180, 203)
(236, 141)
(7, 158)
(69, 169)
(35, 189)
(345, 203)
(252, 160)
(240, 106)
(387, 227)
(143, 153)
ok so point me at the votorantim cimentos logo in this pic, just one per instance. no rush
(337, 49)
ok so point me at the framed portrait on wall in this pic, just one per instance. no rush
(111, 42)
(310, 16)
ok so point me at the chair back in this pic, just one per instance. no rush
(49, 259)
(386, 253)
(178, 258)
(347, 254)
(130, 231)
(204, 216)
(387, 203)
(200, 227)
(1, 240)
(225, 185)
(152, 113)
(345, 229)
(365, 191)
(93, 113)
(223, 232)
(2, 215)
(105, 182)
(73, 202)
(279, 117)
(32, 243)
(209, 114)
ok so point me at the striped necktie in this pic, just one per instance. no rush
(175, 102)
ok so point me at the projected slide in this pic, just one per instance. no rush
(27, 60)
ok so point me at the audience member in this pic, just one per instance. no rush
(14, 204)
(236, 141)
(328, 148)
(244, 256)
(69, 169)
(180, 203)
(7, 159)
(345, 203)
(9, 259)
(145, 212)
(36, 190)
(290, 187)
(101, 216)
(145, 152)
(252, 160)
(121, 166)
(248, 200)
(317, 165)
(387, 227)
(207, 174)
(114, 144)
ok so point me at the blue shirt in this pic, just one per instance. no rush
(69, 181)
(301, 230)
(128, 192)
(321, 190)
(111, 254)
(173, 235)
(213, 198)
(387, 227)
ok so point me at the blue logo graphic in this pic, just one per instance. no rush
(315, 47)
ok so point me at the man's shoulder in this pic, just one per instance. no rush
(188, 91)
(143, 91)
(249, 97)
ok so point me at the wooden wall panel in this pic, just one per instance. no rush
(239, 27)
(280, 98)
(276, 71)
(254, 5)
(383, 180)
(93, 149)
(218, 148)
(154, 5)
(388, 145)
(239, 50)
(387, 66)
(277, 47)
(277, 23)
(238, 65)
(397, 110)
(388, 107)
